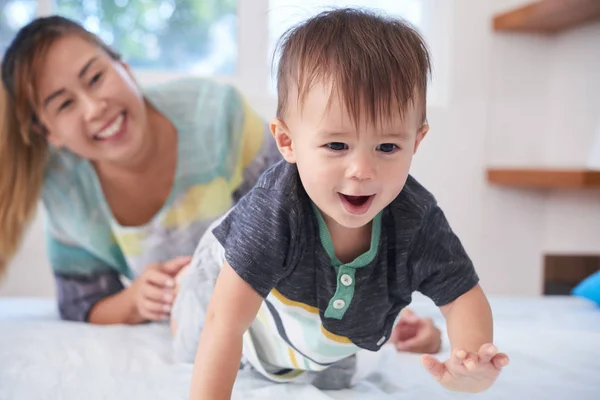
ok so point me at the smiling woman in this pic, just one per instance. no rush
(130, 177)
(89, 83)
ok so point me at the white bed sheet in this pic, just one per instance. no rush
(554, 345)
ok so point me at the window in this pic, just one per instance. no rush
(230, 40)
(14, 15)
(187, 35)
(173, 35)
(177, 35)
(431, 19)
(285, 13)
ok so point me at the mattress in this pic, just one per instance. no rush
(553, 344)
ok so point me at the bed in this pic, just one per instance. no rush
(553, 342)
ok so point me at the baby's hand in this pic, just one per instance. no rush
(468, 372)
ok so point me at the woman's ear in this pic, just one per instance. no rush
(283, 139)
(38, 128)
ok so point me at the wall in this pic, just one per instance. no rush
(30, 274)
(573, 217)
(510, 100)
(544, 108)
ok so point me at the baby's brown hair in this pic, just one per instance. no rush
(375, 64)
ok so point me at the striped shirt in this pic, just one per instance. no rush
(316, 309)
(223, 146)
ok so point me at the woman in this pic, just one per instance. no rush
(130, 178)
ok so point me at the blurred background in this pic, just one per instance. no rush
(514, 147)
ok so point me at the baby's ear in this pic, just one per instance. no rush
(283, 139)
(420, 135)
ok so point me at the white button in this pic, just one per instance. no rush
(346, 280)
(381, 341)
(339, 304)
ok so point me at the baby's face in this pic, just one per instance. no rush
(350, 173)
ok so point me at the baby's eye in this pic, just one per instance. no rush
(337, 146)
(387, 147)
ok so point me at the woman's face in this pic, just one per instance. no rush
(90, 103)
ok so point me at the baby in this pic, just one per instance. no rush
(319, 259)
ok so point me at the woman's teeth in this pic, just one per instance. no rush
(112, 129)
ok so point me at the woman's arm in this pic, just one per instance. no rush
(96, 298)
(101, 298)
(89, 290)
(118, 308)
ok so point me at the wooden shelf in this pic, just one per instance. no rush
(548, 16)
(545, 178)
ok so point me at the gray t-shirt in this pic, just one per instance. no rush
(277, 241)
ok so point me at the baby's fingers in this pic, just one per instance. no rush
(434, 366)
(458, 357)
(500, 360)
(487, 352)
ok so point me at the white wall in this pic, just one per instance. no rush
(517, 100)
(30, 273)
(544, 107)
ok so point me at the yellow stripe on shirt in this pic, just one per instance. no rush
(313, 310)
(335, 338)
(293, 358)
(292, 303)
(200, 202)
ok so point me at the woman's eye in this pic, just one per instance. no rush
(96, 78)
(64, 105)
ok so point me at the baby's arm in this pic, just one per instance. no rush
(232, 308)
(475, 362)
(443, 271)
(469, 321)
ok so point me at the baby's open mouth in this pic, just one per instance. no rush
(357, 205)
(356, 200)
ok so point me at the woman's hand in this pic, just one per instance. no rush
(154, 291)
